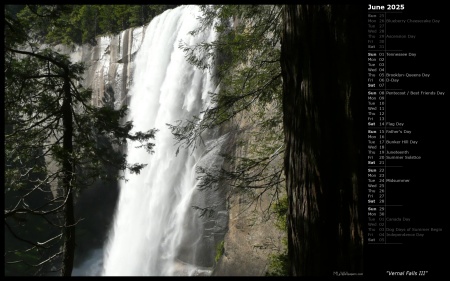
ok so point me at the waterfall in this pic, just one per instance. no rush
(156, 231)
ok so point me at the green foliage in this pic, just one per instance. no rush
(278, 265)
(13, 35)
(220, 249)
(281, 208)
(108, 23)
(245, 63)
(279, 262)
(79, 24)
(88, 17)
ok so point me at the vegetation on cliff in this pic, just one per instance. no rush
(245, 61)
(246, 66)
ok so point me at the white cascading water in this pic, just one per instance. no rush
(151, 213)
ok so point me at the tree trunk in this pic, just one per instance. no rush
(322, 86)
(68, 250)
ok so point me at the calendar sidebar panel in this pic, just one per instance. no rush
(406, 203)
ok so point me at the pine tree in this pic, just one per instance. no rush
(56, 144)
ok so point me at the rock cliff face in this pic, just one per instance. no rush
(249, 238)
(252, 235)
(109, 65)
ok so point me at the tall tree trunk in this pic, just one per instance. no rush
(68, 170)
(322, 88)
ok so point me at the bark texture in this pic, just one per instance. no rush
(68, 250)
(321, 60)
